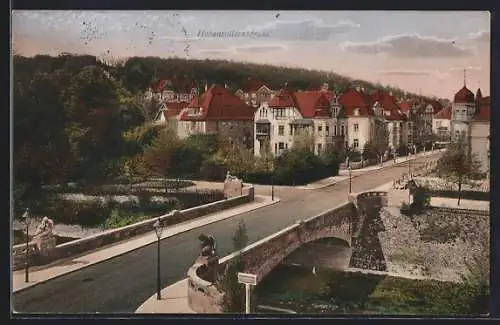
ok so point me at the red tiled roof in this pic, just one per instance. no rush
(464, 95)
(405, 106)
(314, 103)
(352, 99)
(484, 111)
(284, 98)
(444, 114)
(173, 108)
(178, 84)
(218, 103)
(254, 84)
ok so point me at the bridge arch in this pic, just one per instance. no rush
(341, 222)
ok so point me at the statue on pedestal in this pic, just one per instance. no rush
(44, 238)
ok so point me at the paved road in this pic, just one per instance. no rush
(122, 284)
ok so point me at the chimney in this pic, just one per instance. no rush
(225, 85)
(358, 88)
(206, 86)
(324, 87)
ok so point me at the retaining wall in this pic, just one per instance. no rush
(114, 235)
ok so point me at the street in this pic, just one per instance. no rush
(121, 284)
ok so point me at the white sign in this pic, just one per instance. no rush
(246, 278)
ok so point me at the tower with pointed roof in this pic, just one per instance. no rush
(462, 111)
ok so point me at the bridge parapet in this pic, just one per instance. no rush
(264, 255)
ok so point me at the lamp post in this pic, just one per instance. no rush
(272, 185)
(350, 179)
(158, 230)
(26, 221)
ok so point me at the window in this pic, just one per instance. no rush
(286, 145)
(320, 130)
(342, 130)
(335, 130)
(275, 148)
(356, 143)
(319, 148)
(281, 146)
(356, 127)
(327, 130)
(281, 130)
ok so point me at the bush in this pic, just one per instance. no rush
(405, 209)
(421, 199)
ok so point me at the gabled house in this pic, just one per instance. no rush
(218, 111)
(254, 92)
(176, 89)
(277, 122)
(441, 124)
(170, 112)
(355, 121)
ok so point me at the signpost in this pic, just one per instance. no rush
(247, 280)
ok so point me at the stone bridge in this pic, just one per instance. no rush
(342, 222)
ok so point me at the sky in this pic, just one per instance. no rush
(422, 52)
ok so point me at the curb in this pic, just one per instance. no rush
(277, 200)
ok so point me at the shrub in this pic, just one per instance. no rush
(421, 199)
(405, 209)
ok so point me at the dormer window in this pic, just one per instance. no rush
(356, 112)
(387, 113)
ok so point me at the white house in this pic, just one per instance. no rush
(441, 124)
(277, 122)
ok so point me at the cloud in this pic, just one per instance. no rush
(410, 73)
(306, 29)
(410, 46)
(481, 36)
(259, 48)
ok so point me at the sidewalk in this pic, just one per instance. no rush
(344, 173)
(173, 299)
(58, 268)
(464, 204)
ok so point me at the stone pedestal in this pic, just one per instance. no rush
(212, 265)
(45, 248)
(232, 188)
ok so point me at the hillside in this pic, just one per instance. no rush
(137, 73)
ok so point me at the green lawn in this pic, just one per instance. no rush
(337, 292)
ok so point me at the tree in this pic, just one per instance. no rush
(228, 281)
(331, 157)
(157, 158)
(459, 165)
(303, 140)
(369, 151)
(93, 104)
(380, 141)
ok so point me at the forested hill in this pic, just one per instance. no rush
(137, 73)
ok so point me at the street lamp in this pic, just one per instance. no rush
(272, 184)
(350, 179)
(25, 217)
(158, 230)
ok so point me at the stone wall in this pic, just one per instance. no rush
(261, 257)
(114, 235)
(264, 255)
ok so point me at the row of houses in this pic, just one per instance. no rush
(267, 120)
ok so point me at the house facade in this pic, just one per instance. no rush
(288, 113)
(470, 117)
(176, 89)
(218, 111)
(255, 92)
(441, 124)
